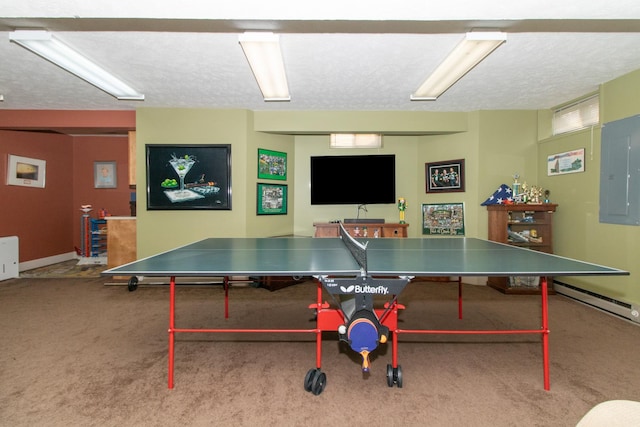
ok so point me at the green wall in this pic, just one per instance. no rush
(480, 138)
(578, 232)
(435, 148)
(162, 230)
(494, 144)
(409, 178)
(267, 225)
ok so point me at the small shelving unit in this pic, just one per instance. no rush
(98, 237)
(524, 225)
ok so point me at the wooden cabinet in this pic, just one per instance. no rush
(132, 159)
(523, 225)
(368, 230)
(121, 240)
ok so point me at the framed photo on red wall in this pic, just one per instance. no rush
(105, 175)
(26, 172)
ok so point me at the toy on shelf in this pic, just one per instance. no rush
(402, 206)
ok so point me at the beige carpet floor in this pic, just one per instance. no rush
(70, 268)
(78, 353)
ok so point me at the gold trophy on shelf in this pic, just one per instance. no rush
(402, 206)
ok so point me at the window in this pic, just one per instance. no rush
(576, 116)
(356, 140)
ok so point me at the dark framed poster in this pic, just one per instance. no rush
(188, 177)
(445, 177)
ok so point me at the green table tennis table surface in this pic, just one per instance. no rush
(453, 256)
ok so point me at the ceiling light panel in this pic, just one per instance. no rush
(265, 58)
(44, 44)
(475, 47)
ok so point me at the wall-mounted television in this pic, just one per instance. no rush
(353, 180)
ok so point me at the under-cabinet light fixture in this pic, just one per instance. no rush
(44, 44)
(356, 140)
(475, 47)
(265, 58)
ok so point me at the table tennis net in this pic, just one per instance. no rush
(357, 249)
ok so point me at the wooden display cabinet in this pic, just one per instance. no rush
(364, 230)
(531, 227)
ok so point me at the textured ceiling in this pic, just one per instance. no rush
(337, 57)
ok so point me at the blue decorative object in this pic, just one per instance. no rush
(502, 196)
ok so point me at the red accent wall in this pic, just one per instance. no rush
(40, 217)
(47, 220)
(86, 151)
(65, 121)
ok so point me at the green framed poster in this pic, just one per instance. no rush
(271, 199)
(272, 164)
(443, 219)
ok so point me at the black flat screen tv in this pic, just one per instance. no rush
(353, 180)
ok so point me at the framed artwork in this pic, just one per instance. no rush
(271, 199)
(104, 175)
(272, 164)
(445, 177)
(567, 162)
(443, 219)
(188, 177)
(26, 172)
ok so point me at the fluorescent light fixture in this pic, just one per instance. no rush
(44, 44)
(356, 140)
(265, 58)
(1, 98)
(467, 54)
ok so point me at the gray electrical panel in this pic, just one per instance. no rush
(620, 172)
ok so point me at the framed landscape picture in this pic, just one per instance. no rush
(271, 199)
(567, 162)
(26, 172)
(272, 164)
(188, 177)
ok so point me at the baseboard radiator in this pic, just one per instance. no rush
(8, 257)
(611, 305)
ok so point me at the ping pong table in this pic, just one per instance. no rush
(354, 272)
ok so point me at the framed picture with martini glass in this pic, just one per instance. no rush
(188, 177)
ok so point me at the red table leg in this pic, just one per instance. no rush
(226, 297)
(545, 332)
(459, 297)
(318, 328)
(172, 324)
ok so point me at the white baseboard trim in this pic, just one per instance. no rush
(610, 305)
(43, 262)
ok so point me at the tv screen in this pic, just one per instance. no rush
(358, 179)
